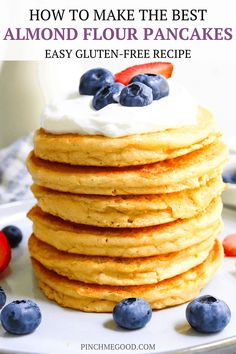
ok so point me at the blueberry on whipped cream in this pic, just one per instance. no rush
(93, 80)
(99, 110)
(157, 83)
(136, 94)
(143, 86)
(107, 95)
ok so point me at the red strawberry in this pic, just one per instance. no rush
(162, 68)
(229, 244)
(5, 252)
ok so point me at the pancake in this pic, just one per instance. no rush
(119, 271)
(127, 211)
(130, 150)
(188, 171)
(103, 298)
(139, 242)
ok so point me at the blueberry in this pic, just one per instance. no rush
(107, 95)
(157, 83)
(21, 317)
(206, 314)
(136, 95)
(132, 313)
(3, 297)
(229, 177)
(94, 79)
(13, 234)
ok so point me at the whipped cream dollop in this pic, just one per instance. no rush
(76, 115)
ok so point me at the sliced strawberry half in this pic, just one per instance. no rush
(5, 252)
(161, 68)
(229, 244)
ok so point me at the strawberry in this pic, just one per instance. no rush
(5, 252)
(162, 68)
(229, 244)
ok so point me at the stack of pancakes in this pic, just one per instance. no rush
(135, 216)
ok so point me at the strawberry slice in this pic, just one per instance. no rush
(5, 252)
(162, 68)
(229, 244)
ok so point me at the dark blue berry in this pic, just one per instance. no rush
(229, 177)
(3, 297)
(136, 95)
(158, 84)
(206, 314)
(13, 234)
(107, 95)
(132, 313)
(21, 317)
(93, 80)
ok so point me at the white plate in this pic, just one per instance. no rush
(65, 331)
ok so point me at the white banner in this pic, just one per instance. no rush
(88, 30)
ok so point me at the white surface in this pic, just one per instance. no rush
(15, 13)
(63, 330)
